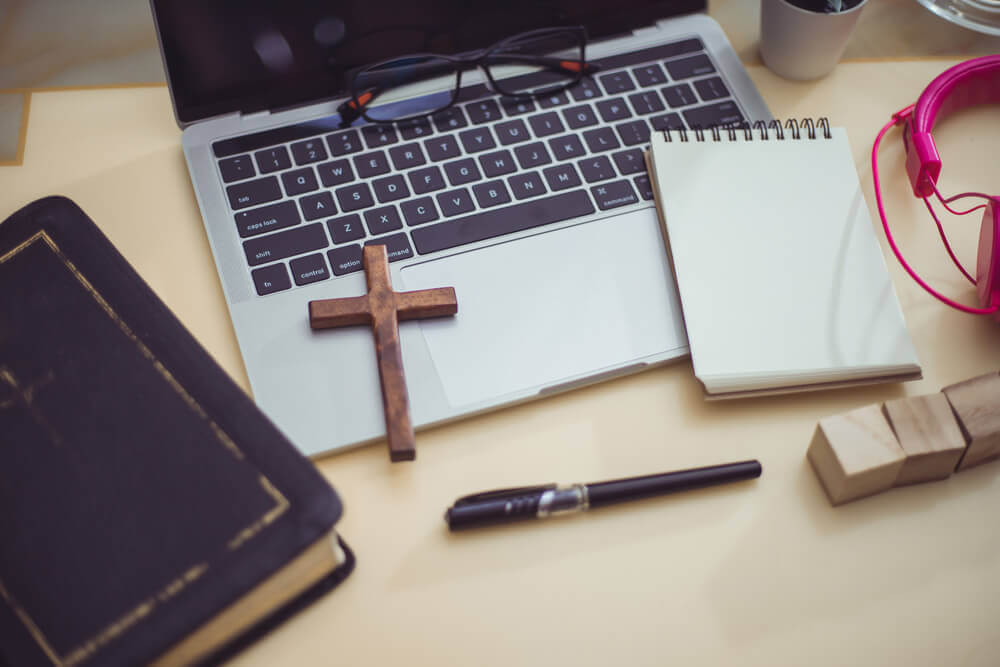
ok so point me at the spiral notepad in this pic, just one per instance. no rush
(782, 282)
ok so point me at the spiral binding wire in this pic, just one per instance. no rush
(812, 128)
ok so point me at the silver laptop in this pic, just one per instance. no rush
(536, 210)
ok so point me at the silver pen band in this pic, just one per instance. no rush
(563, 500)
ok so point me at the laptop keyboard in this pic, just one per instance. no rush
(306, 198)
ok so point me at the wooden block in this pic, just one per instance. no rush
(855, 454)
(926, 429)
(976, 404)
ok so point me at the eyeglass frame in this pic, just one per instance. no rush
(356, 106)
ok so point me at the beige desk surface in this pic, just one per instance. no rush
(762, 573)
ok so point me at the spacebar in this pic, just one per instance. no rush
(500, 221)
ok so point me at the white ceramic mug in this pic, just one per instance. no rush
(799, 44)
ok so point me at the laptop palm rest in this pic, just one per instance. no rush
(552, 308)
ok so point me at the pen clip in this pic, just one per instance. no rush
(499, 494)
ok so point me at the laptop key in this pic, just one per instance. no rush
(271, 279)
(377, 136)
(309, 151)
(451, 118)
(236, 168)
(566, 147)
(382, 220)
(462, 171)
(634, 132)
(354, 197)
(649, 75)
(419, 211)
(251, 193)
(477, 139)
(668, 121)
(299, 181)
(643, 186)
(629, 162)
(483, 111)
(346, 228)
(295, 241)
(516, 106)
(308, 269)
(491, 193)
(617, 82)
(711, 89)
(415, 128)
(612, 110)
(371, 164)
(646, 102)
(613, 195)
(272, 159)
(501, 221)
(397, 246)
(497, 164)
(601, 139)
(526, 185)
(561, 177)
(317, 206)
(345, 260)
(336, 172)
(596, 168)
(554, 100)
(680, 95)
(684, 68)
(427, 179)
(512, 132)
(455, 202)
(532, 155)
(406, 156)
(268, 218)
(545, 124)
(720, 113)
(585, 90)
(580, 116)
(342, 143)
(442, 148)
(390, 188)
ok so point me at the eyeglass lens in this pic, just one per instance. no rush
(534, 63)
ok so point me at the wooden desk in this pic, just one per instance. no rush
(764, 573)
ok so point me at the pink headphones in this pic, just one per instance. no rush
(973, 82)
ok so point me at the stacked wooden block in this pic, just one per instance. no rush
(908, 440)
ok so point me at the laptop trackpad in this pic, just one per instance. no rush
(551, 308)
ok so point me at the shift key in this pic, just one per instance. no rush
(264, 249)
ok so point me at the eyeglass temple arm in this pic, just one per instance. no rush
(565, 64)
(354, 107)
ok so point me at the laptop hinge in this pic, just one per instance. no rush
(651, 29)
(255, 114)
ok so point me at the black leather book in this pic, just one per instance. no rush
(149, 512)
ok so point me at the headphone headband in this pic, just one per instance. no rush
(967, 84)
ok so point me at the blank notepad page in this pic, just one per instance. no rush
(781, 278)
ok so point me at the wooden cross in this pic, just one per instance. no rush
(384, 308)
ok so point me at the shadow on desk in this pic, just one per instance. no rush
(898, 527)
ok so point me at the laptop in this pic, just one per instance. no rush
(537, 211)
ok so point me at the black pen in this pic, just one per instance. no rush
(539, 502)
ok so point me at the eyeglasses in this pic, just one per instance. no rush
(539, 62)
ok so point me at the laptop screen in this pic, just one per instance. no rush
(223, 56)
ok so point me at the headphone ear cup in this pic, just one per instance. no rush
(988, 261)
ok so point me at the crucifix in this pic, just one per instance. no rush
(384, 308)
